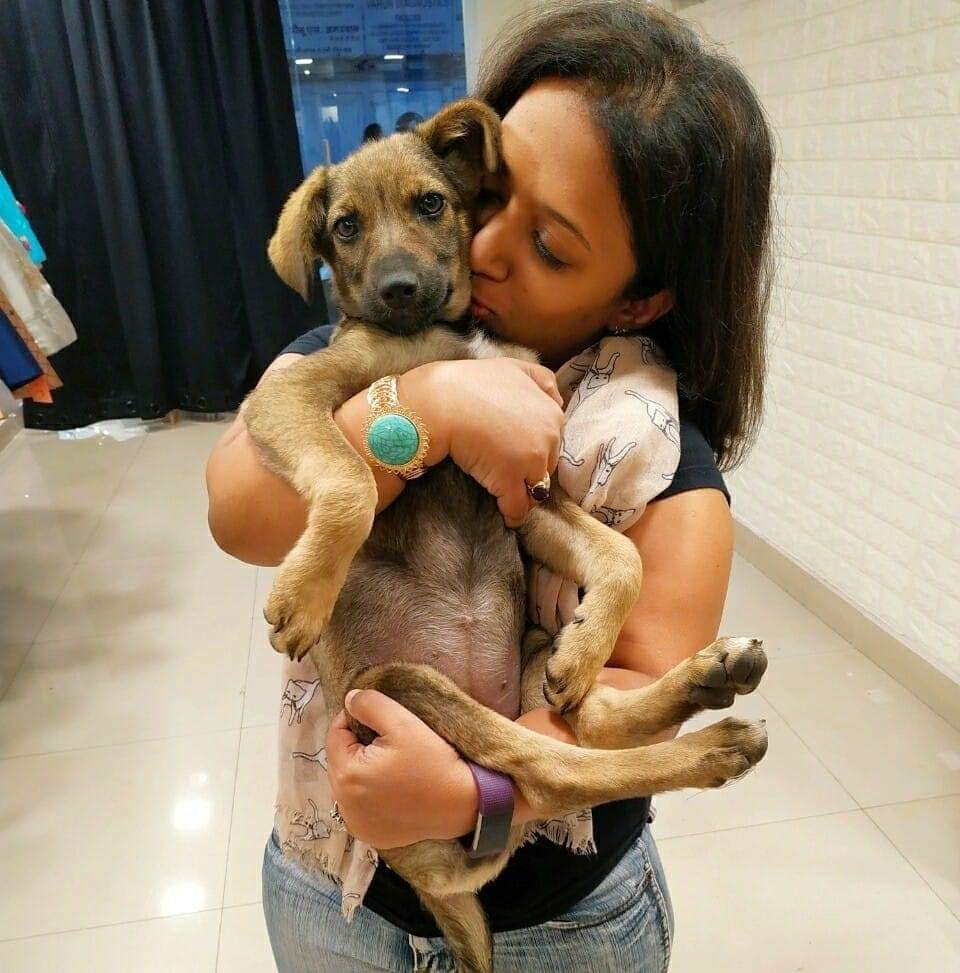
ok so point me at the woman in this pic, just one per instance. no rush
(635, 195)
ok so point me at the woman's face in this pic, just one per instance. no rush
(552, 254)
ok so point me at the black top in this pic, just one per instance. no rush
(542, 879)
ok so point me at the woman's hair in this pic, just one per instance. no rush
(693, 156)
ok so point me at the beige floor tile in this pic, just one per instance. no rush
(829, 895)
(106, 689)
(264, 672)
(39, 532)
(928, 835)
(28, 592)
(876, 738)
(244, 943)
(167, 515)
(183, 448)
(132, 596)
(11, 658)
(788, 783)
(68, 468)
(264, 680)
(114, 834)
(756, 606)
(256, 790)
(181, 944)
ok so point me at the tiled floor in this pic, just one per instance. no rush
(137, 753)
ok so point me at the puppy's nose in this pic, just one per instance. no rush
(399, 289)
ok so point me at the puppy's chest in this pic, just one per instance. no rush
(440, 581)
(463, 643)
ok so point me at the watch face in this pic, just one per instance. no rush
(493, 831)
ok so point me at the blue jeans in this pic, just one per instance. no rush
(625, 925)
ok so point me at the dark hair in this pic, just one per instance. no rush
(693, 155)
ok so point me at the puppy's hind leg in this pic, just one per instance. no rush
(611, 718)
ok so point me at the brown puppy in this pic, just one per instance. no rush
(374, 599)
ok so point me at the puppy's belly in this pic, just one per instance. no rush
(481, 666)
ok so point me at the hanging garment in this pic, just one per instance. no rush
(31, 297)
(39, 389)
(17, 366)
(15, 216)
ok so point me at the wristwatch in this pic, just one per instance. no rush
(495, 816)
(394, 437)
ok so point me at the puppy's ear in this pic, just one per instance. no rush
(294, 248)
(466, 136)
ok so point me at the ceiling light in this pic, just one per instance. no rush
(404, 90)
(304, 60)
(394, 57)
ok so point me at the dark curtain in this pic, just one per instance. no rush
(153, 143)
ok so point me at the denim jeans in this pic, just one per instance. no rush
(625, 925)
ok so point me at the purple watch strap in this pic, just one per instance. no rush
(496, 790)
(495, 813)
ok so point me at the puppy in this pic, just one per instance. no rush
(399, 602)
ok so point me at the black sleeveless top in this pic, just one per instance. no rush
(542, 880)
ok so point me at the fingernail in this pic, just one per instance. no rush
(350, 695)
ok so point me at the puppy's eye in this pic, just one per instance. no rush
(432, 204)
(346, 227)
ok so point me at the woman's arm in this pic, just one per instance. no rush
(255, 515)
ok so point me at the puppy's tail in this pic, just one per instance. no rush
(465, 928)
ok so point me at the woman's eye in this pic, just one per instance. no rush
(346, 227)
(548, 258)
(432, 204)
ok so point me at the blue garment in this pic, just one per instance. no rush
(625, 923)
(17, 365)
(13, 216)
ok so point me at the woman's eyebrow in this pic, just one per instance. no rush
(560, 218)
(504, 173)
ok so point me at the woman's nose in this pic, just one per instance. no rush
(488, 254)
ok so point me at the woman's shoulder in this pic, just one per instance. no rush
(311, 341)
(697, 468)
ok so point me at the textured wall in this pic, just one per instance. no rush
(856, 475)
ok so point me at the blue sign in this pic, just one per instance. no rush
(408, 26)
(355, 28)
(327, 28)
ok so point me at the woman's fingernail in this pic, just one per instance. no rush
(350, 695)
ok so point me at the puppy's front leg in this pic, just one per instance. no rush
(290, 417)
(607, 566)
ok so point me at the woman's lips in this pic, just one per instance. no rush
(480, 309)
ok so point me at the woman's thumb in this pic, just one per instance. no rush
(376, 710)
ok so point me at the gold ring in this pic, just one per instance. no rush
(540, 490)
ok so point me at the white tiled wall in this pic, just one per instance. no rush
(856, 474)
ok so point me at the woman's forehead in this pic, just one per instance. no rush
(557, 157)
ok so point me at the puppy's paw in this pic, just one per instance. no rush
(298, 615)
(725, 751)
(571, 671)
(726, 668)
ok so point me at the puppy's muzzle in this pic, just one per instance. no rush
(399, 290)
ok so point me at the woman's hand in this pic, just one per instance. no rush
(552, 600)
(408, 785)
(506, 419)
